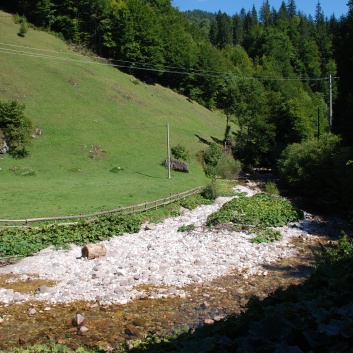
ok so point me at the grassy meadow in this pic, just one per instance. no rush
(78, 103)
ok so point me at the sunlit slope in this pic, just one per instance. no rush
(79, 103)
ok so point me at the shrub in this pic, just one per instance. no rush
(23, 28)
(194, 201)
(318, 168)
(258, 210)
(17, 128)
(305, 164)
(271, 189)
(179, 152)
(341, 250)
(218, 164)
(116, 170)
(213, 154)
(209, 192)
(228, 168)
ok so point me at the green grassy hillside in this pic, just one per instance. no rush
(79, 103)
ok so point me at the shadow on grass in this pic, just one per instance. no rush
(202, 140)
(149, 176)
(215, 139)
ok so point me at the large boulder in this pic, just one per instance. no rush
(177, 165)
(4, 147)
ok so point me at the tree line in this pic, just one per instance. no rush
(267, 70)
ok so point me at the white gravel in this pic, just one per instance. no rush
(158, 257)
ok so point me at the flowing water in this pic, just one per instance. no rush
(112, 326)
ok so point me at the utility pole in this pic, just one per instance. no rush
(330, 112)
(318, 123)
(168, 151)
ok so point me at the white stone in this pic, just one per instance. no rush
(161, 256)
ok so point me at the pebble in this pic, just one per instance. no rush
(157, 256)
(32, 311)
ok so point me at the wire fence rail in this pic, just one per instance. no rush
(137, 208)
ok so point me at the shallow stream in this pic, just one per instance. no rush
(112, 326)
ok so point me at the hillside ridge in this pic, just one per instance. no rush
(93, 119)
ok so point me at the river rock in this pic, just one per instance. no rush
(162, 257)
(80, 320)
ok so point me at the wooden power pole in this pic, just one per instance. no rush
(330, 111)
(168, 151)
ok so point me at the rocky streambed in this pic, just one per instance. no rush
(155, 281)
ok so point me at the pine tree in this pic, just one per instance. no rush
(283, 13)
(319, 15)
(265, 12)
(238, 30)
(292, 8)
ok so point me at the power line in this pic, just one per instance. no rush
(153, 67)
(100, 58)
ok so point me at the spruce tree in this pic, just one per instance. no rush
(292, 8)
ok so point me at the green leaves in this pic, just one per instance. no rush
(16, 128)
(258, 210)
(29, 241)
(257, 214)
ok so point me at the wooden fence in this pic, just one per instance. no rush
(142, 207)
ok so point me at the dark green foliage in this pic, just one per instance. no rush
(266, 235)
(155, 42)
(258, 210)
(194, 201)
(116, 170)
(186, 228)
(228, 168)
(211, 157)
(342, 250)
(343, 110)
(318, 168)
(213, 154)
(29, 241)
(209, 192)
(219, 164)
(23, 28)
(15, 241)
(16, 128)
(271, 188)
(179, 152)
(221, 32)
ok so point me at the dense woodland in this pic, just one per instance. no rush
(268, 69)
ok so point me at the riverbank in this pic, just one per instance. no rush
(227, 268)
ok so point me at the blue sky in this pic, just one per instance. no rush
(337, 7)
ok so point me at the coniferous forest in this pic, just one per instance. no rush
(271, 71)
